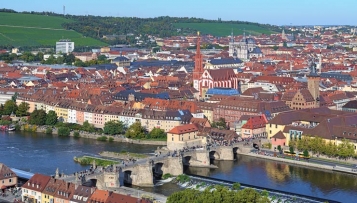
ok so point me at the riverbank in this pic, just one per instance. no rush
(123, 155)
(116, 138)
(304, 163)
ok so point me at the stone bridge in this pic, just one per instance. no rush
(144, 171)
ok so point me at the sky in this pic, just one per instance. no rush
(276, 12)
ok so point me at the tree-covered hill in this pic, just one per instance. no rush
(98, 26)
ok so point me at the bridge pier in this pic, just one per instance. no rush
(142, 175)
(172, 165)
(198, 158)
(226, 153)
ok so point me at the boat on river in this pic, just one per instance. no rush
(11, 128)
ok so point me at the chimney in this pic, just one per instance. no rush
(92, 189)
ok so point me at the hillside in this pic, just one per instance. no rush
(45, 28)
(225, 29)
(18, 29)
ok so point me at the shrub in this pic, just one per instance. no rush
(183, 178)
(48, 131)
(76, 134)
(236, 186)
(17, 127)
(63, 131)
(166, 176)
(102, 138)
(111, 139)
(279, 148)
(30, 128)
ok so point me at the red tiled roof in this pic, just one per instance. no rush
(184, 129)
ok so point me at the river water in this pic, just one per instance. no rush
(40, 153)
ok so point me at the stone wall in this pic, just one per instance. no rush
(111, 179)
(226, 153)
(173, 165)
(200, 159)
(142, 175)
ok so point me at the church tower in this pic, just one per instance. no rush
(283, 36)
(313, 83)
(198, 70)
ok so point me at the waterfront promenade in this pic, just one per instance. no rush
(312, 162)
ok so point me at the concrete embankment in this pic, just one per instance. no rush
(304, 163)
(290, 161)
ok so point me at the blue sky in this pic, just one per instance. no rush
(277, 12)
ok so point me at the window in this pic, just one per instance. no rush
(10, 180)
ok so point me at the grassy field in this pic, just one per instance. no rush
(224, 29)
(36, 30)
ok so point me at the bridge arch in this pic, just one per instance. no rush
(127, 177)
(214, 155)
(157, 169)
(235, 152)
(186, 160)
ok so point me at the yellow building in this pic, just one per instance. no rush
(207, 109)
(165, 120)
(184, 136)
(61, 110)
(47, 195)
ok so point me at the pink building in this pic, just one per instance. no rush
(278, 139)
(80, 117)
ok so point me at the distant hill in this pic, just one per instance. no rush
(225, 29)
(18, 29)
(45, 28)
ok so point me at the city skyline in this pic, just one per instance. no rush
(274, 12)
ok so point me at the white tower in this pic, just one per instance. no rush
(319, 65)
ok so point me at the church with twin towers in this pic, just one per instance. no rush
(244, 49)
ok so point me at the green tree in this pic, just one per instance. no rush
(38, 117)
(14, 97)
(135, 131)
(331, 149)
(345, 149)
(113, 127)
(236, 186)
(157, 133)
(306, 153)
(22, 109)
(221, 123)
(51, 118)
(88, 127)
(291, 150)
(279, 148)
(63, 131)
(9, 107)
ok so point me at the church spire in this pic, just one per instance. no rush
(198, 46)
(198, 70)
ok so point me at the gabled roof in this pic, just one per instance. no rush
(6, 172)
(184, 129)
(279, 135)
(37, 183)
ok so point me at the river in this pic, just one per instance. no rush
(41, 153)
